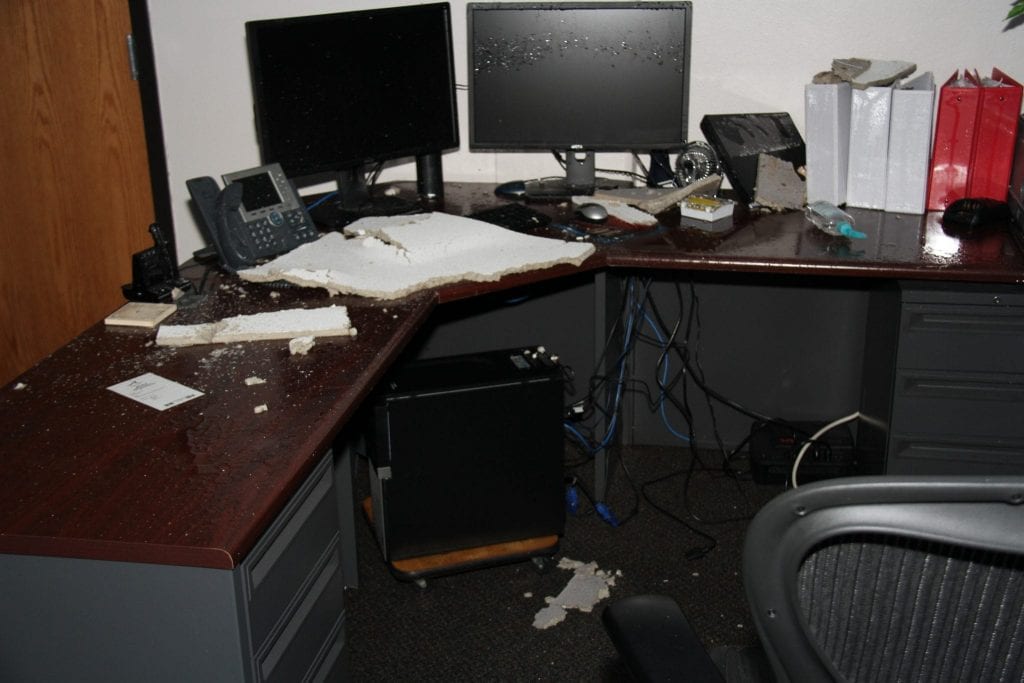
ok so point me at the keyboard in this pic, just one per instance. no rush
(513, 216)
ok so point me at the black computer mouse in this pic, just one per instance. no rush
(593, 212)
(972, 216)
(513, 189)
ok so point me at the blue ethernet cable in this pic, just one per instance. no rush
(572, 499)
(664, 378)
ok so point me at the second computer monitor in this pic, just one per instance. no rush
(333, 92)
(577, 78)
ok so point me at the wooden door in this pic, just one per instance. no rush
(75, 198)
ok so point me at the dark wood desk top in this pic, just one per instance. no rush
(87, 473)
(898, 246)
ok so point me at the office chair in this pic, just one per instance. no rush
(864, 579)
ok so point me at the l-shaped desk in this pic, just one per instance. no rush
(212, 541)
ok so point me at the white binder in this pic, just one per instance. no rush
(827, 117)
(910, 144)
(870, 111)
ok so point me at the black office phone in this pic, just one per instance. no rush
(257, 216)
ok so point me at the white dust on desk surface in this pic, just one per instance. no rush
(587, 587)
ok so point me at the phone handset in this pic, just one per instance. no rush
(236, 238)
(257, 216)
(212, 204)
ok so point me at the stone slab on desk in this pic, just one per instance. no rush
(88, 473)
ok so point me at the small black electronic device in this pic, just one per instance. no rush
(257, 216)
(973, 216)
(155, 275)
(774, 447)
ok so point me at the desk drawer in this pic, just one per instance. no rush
(283, 564)
(932, 454)
(966, 338)
(313, 639)
(983, 405)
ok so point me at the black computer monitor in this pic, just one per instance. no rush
(335, 92)
(578, 77)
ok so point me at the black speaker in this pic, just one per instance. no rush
(429, 177)
(467, 451)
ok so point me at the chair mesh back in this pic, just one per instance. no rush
(888, 609)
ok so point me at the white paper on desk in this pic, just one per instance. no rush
(155, 391)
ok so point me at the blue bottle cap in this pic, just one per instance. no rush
(847, 230)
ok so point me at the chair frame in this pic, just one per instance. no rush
(977, 512)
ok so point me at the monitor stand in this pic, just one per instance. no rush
(551, 188)
(580, 180)
(354, 200)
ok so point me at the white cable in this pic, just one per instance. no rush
(807, 444)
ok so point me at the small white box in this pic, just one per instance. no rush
(705, 208)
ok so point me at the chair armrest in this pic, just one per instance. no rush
(656, 642)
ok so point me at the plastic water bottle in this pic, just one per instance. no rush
(831, 219)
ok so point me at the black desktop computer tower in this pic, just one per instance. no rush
(467, 451)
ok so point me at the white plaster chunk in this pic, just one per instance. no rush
(251, 381)
(300, 346)
(587, 587)
(331, 321)
(620, 210)
(394, 256)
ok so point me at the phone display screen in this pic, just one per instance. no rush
(259, 192)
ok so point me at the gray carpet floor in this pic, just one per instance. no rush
(479, 625)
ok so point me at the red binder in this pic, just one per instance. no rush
(992, 159)
(954, 140)
(974, 134)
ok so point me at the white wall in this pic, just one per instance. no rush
(747, 56)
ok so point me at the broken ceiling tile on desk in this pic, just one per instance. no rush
(394, 256)
(329, 321)
(779, 186)
(654, 200)
(620, 209)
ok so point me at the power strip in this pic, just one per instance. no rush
(774, 447)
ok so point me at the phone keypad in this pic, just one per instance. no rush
(269, 238)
